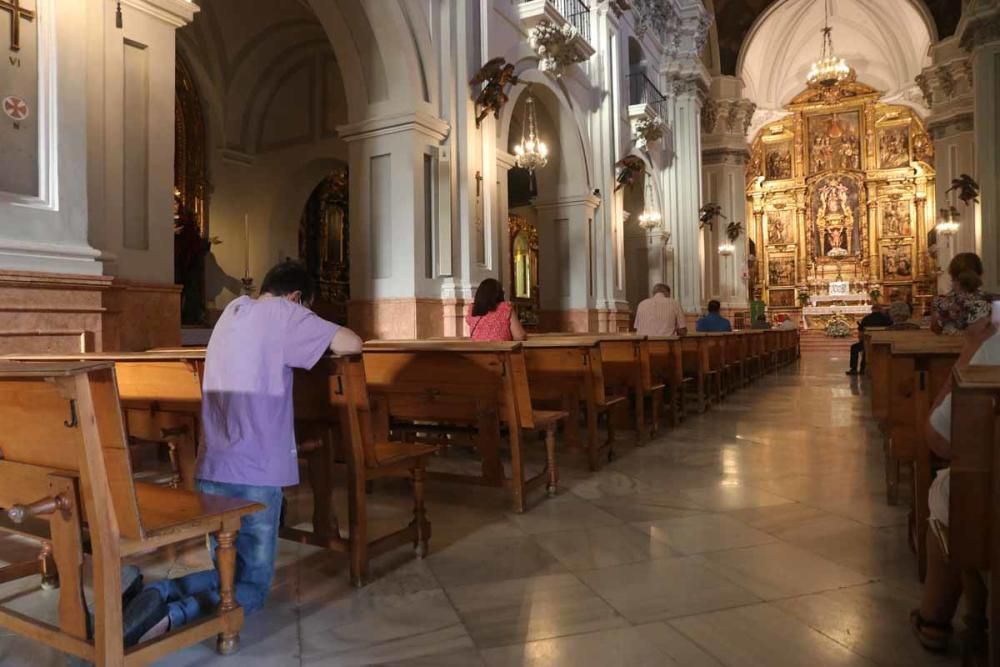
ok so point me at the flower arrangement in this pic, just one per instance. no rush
(648, 131)
(838, 327)
(803, 299)
(551, 44)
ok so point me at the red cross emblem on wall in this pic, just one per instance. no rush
(15, 108)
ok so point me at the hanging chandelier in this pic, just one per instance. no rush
(829, 70)
(726, 249)
(531, 153)
(650, 218)
(948, 225)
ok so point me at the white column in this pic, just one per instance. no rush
(682, 187)
(979, 33)
(725, 119)
(948, 89)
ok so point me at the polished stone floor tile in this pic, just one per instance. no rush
(654, 645)
(778, 570)
(703, 533)
(523, 610)
(563, 513)
(727, 497)
(871, 620)
(765, 636)
(493, 560)
(594, 548)
(649, 506)
(662, 589)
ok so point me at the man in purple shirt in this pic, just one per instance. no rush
(249, 448)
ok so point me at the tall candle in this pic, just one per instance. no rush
(246, 235)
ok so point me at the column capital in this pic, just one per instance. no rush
(432, 127)
(980, 24)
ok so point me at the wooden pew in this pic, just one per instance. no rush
(974, 517)
(160, 394)
(66, 462)
(756, 352)
(335, 394)
(867, 343)
(700, 351)
(569, 372)
(625, 359)
(666, 362)
(880, 344)
(466, 386)
(920, 366)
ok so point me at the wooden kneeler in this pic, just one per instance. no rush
(65, 464)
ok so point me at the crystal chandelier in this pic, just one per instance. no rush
(650, 218)
(948, 225)
(531, 153)
(726, 249)
(829, 70)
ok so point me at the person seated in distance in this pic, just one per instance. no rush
(491, 317)
(876, 318)
(713, 322)
(249, 447)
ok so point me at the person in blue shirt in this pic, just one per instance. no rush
(714, 322)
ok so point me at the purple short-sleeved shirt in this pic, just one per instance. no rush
(247, 390)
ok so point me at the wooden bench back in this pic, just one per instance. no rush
(557, 367)
(879, 364)
(666, 360)
(975, 448)
(450, 381)
(695, 350)
(66, 418)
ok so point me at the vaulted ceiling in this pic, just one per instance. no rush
(734, 18)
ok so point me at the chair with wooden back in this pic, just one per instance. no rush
(569, 372)
(466, 387)
(334, 395)
(66, 465)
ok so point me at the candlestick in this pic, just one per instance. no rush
(246, 236)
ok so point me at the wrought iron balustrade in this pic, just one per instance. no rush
(644, 91)
(577, 12)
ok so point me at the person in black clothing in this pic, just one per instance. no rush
(877, 318)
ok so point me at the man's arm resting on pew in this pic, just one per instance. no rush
(345, 341)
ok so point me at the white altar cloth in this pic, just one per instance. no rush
(819, 299)
(809, 313)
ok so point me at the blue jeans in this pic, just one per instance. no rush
(196, 595)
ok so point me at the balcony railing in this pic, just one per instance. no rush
(577, 12)
(644, 91)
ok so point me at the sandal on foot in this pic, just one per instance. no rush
(932, 636)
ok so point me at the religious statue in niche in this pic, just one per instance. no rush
(835, 210)
(834, 142)
(781, 271)
(780, 227)
(779, 161)
(897, 262)
(324, 244)
(894, 147)
(896, 219)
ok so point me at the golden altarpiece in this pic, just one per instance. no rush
(841, 194)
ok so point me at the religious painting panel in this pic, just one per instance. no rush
(896, 293)
(896, 219)
(19, 119)
(836, 216)
(781, 271)
(834, 141)
(781, 298)
(894, 146)
(897, 262)
(781, 227)
(778, 161)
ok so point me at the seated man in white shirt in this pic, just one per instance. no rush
(943, 585)
(660, 315)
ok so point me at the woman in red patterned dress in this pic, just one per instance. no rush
(491, 317)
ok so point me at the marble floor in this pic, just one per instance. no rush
(754, 535)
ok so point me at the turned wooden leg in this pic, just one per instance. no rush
(550, 453)
(593, 446)
(517, 469)
(319, 465)
(229, 640)
(420, 512)
(65, 557)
